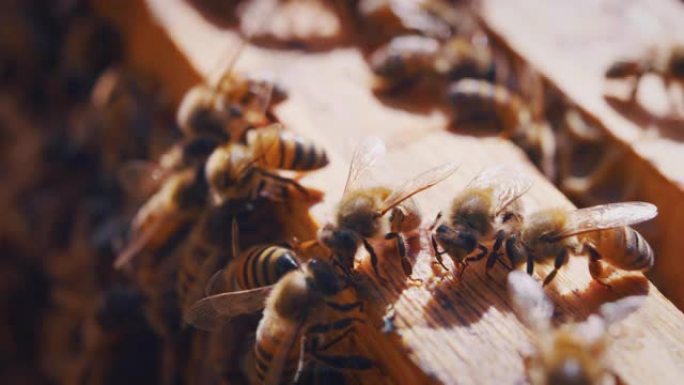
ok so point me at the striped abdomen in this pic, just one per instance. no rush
(624, 248)
(276, 149)
(475, 100)
(263, 266)
(276, 335)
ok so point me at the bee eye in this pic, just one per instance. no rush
(442, 229)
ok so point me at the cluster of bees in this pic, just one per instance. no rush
(208, 245)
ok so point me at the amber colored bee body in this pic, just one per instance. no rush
(236, 171)
(573, 353)
(485, 212)
(370, 213)
(600, 232)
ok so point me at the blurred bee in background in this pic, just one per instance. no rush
(600, 232)
(291, 323)
(407, 59)
(485, 212)
(362, 213)
(179, 202)
(226, 110)
(668, 64)
(235, 171)
(258, 266)
(481, 103)
(574, 353)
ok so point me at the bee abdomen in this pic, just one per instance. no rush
(287, 152)
(265, 265)
(263, 358)
(638, 249)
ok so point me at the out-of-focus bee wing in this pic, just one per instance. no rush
(210, 313)
(263, 91)
(365, 156)
(420, 182)
(606, 216)
(137, 244)
(140, 178)
(288, 341)
(533, 307)
(508, 184)
(618, 310)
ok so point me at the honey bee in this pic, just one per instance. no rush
(669, 65)
(361, 214)
(406, 59)
(574, 353)
(226, 110)
(600, 232)
(486, 211)
(290, 324)
(255, 267)
(236, 171)
(483, 103)
(178, 202)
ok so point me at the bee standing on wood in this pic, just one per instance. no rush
(600, 232)
(669, 65)
(290, 324)
(485, 212)
(237, 171)
(570, 354)
(362, 212)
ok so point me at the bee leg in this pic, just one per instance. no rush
(596, 269)
(435, 222)
(346, 307)
(345, 323)
(351, 362)
(438, 254)
(557, 263)
(530, 264)
(374, 258)
(484, 251)
(401, 247)
(285, 181)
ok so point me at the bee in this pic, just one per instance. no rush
(361, 214)
(226, 110)
(483, 103)
(405, 59)
(257, 266)
(290, 324)
(600, 232)
(236, 171)
(179, 201)
(574, 353)
(485, 212)
(669, 65)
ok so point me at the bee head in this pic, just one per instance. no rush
(323, 277)
(339, 240)
(454, 241)
(197, 114)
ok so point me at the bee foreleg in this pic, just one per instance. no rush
(373, 257)
(438, 254)
(401, 248)
(344, 323)
(435, 222)
(345, 307)
(557, 263)
(596, 269)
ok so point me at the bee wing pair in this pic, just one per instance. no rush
(365, 157)
(211, 312)
(141, 178)
(604, 217)
(507, 183)
(534, 308)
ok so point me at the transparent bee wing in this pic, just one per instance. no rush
(139, 241)
(262, 91)
(532, 306)
(618, 310)
(508, 185)
(417, 184)
(606, 216)
(140, 178)
(288, 340)
(365, 156)
(210, 313)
